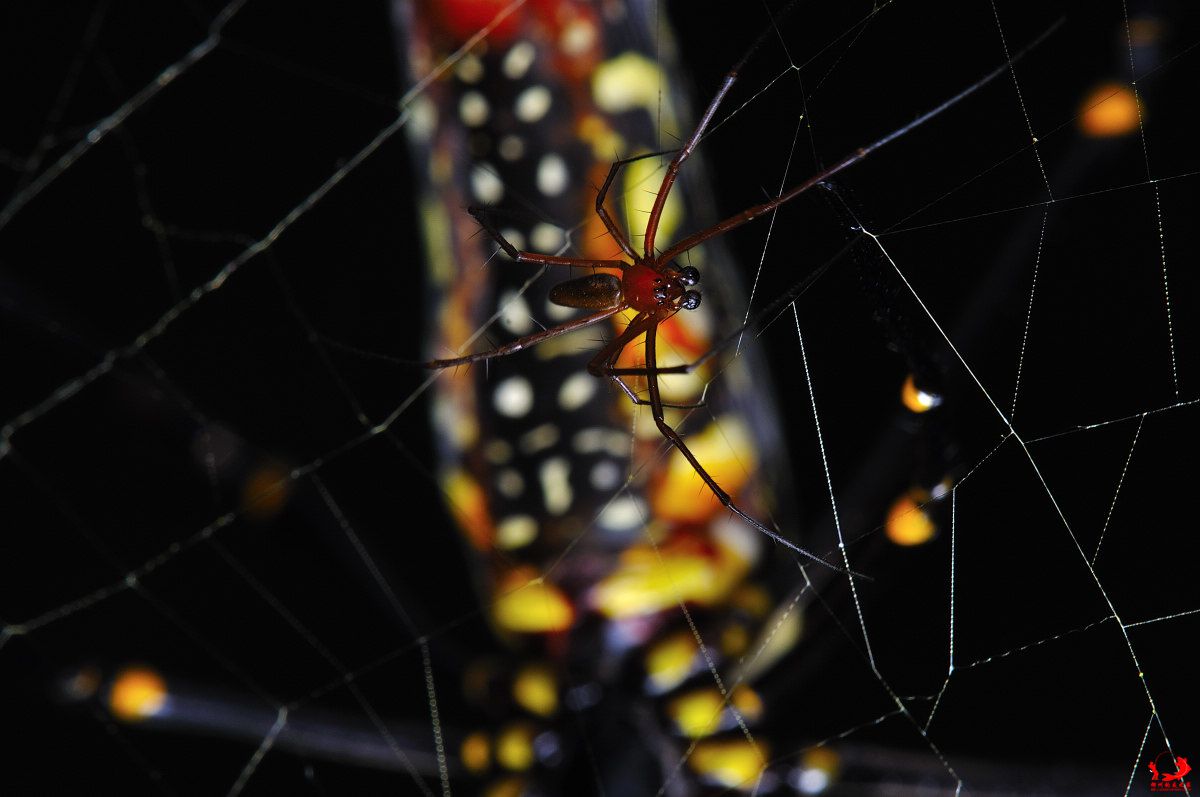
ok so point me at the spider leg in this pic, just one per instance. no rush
(682, 155)
(528, 340)
(602, 212)
(601, 364)
(520, 256)
(676, 440)
(854, 157)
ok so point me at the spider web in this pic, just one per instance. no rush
(197, 196)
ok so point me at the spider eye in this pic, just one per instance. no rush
(689, 275)
(691, 300)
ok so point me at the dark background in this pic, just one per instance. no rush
(107, 478)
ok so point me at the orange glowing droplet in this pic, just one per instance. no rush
(907, 522)
(1110, 110)
(137, 693)
(265, 492)
(476, 752)
(916, 400)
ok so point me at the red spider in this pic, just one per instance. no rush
(656, 288)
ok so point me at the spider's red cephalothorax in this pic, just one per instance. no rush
(650, 290)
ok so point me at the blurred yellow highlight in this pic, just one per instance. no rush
(528, 605)
(536, 690)
(514, 746)
(137, 693)
(1108, 111)
(730, 763)
(670, 661)
(907, 522)
(468, 504)
(726, 449)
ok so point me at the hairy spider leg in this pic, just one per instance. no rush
(668, 431)
(528, 340)
(686, 150)
(738, 219)
(601, 365)
(602, 212)
(481, 216)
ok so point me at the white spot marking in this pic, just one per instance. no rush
(578, 37)
(485, 185)
(423, 120)
(513, 397)
(514, 312)
(516, 531)
(469, 69)
(518, 60)
(539, 439)
(555, 476)
(605, 475)
(514, 237)
(626, 513)
(557, 312)
(576, 390)
(532, 104)
(545, 237)
(552, 175)
(473, 109)
(596, 440)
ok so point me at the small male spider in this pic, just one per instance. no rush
(656, 288)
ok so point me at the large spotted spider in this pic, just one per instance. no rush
(655, 287)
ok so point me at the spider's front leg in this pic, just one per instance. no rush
(480, 215)
(528, 340)
(602, 211)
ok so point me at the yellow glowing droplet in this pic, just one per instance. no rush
(514, 747)
(476, 752)
(1108, 111)
(907, 521)
(697, 714)
(670, 661)
(536, 690)
(468, 504)
(731, 763)
(530, 606)
(915, 399)
(265, 491)
(137, 693)
(726, 451)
